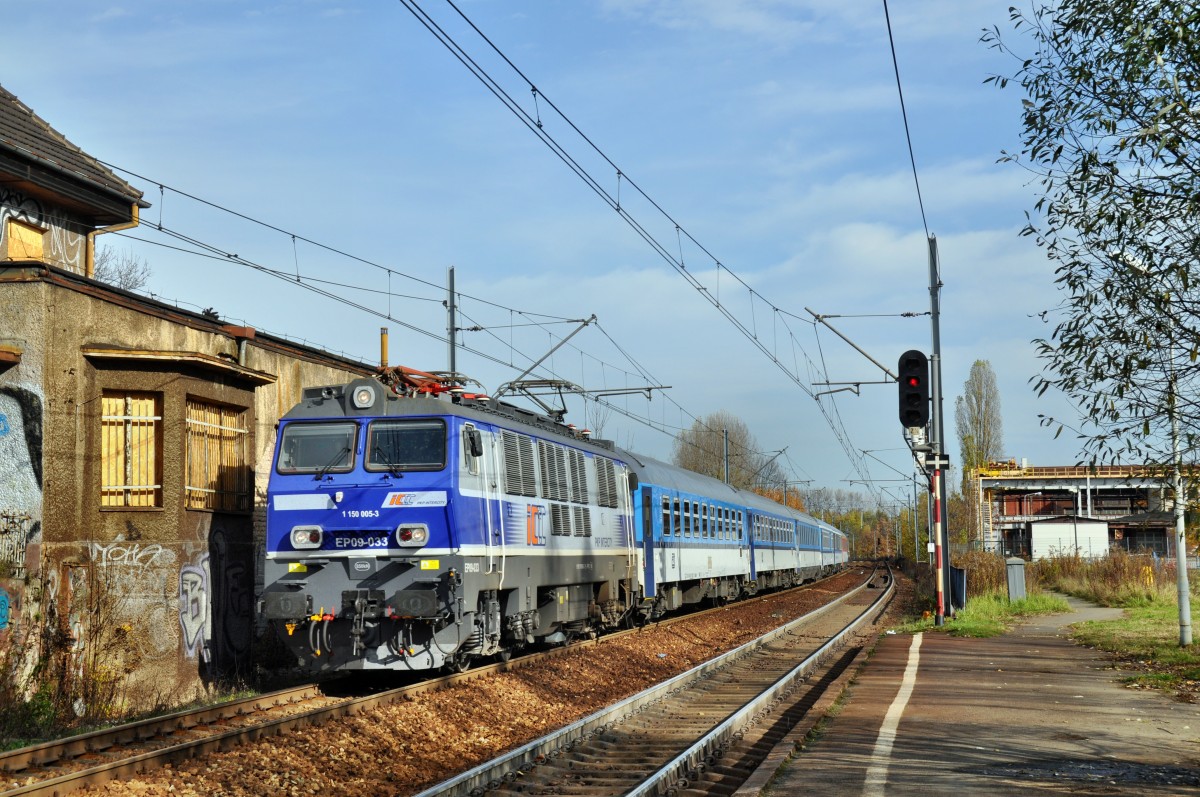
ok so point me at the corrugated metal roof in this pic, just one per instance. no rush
(27, 135)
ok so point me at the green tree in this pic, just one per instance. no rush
(977, 418)
(980, 440)
(1112, 91)
(1111, 129)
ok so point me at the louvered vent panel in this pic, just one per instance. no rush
(554, 471)
(560, 520)
(528, 472)
(579, 485)
(519, 478)
(606, 482)
(583, 521)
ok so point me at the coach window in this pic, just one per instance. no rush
(677, 520)
(687, 518)
(406, 445)
(700, 532)
(666, 515)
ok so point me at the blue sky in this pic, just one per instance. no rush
(769, 130)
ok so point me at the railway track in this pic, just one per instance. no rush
(703, 732)
(126, 751)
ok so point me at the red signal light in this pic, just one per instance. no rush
(914, 395)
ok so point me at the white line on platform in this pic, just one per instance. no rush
(877, 772)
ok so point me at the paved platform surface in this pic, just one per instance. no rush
(1027, 712)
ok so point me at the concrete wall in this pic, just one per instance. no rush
(165, 595)
(22, 411)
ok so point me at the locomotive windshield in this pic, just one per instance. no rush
(313, 447)
(406, 445)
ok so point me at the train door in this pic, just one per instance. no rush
(746, 540)
(627, 488)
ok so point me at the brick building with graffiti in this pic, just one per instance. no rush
(135, 440)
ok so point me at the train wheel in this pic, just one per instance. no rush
(459, 662)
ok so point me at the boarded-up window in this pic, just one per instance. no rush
(131, 449)
(24, 240)
(218, 458)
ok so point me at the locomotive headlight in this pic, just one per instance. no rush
(364, 396)
(307, 536)
(412, 535)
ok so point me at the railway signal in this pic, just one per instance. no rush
(914, 388)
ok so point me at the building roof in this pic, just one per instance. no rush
(1081, 520)
(34, 156)
(1153, 519)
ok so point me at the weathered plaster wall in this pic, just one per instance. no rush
(167, 592)
(22, 409)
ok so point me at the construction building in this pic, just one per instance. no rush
(1033, 512)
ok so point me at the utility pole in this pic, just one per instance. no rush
(725, 437)
(939, 460)
(452, 322)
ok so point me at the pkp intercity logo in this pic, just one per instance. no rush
(432, 498)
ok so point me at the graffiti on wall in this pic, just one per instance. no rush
(3, 610)
(215, 606)
(138, 581)
(21, 436)
(65, 245)
(194, 610)
(20, 494)
(16, 531)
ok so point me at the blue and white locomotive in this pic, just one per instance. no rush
(416, 527)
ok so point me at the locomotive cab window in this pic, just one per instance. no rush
(317, 447)
(406, 445)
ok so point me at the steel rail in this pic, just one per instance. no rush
(25, 760)
(678, 772)
(508, 766)
(98, 741)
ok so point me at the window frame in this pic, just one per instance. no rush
(152, 488)
(368, 447)
(318, 468)
(241, 497)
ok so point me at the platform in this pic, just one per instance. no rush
(1026, 712)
